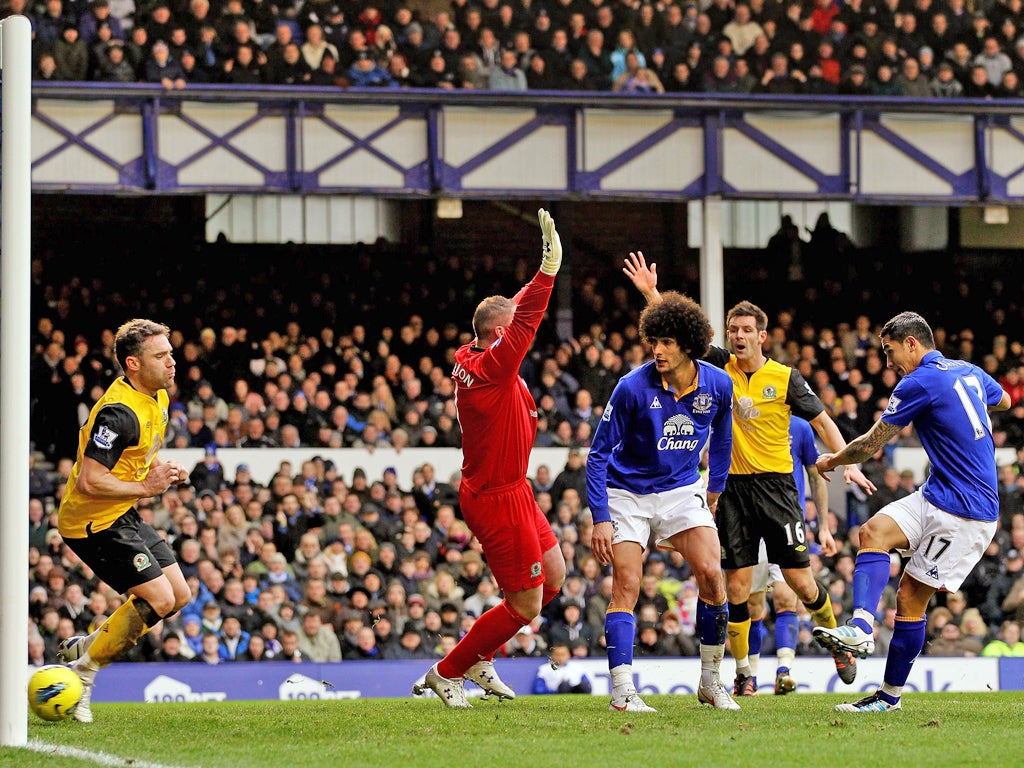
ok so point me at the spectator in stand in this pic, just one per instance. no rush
(625, 43)
(539, 77)
(884, 84)
(579, 77)
(995, 62)
(636, 78)
(1009, 87)
(71, 55)
(742, 30)
(366, 73)
(50, 23)
(46, 68)
(1008, 643)
(910, 80)
(316, 641)
(598, 60)
(682, 80)
(856, 82)
(290, 68)
(979, 86)
(160, 68)
(780, 80)
(525, 644)
(944, 84)
(562, 674)
(99, 13)
(507, 76)
(721, 78)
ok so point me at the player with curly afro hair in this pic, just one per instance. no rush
(681, 318)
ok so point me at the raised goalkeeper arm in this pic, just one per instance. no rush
(552, 255)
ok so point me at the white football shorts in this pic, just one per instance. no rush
(765, 573)
(636, 516)
(944, 548)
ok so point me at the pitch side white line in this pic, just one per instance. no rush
(101, 758)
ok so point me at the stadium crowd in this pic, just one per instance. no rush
(919, 48)
(324, 563)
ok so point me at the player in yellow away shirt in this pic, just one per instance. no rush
(117, 464)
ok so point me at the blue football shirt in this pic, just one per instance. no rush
(805, 453)
(648, 441)
(947, 401)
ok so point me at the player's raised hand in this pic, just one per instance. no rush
(644, 277)
(552, 257)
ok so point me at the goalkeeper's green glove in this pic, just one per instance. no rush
(552, 244)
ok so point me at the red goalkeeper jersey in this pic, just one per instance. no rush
(496, 410)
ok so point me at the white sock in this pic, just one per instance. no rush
(754, 659)
(710, 661)
(892, 690)
(622, 679)
(867, 616)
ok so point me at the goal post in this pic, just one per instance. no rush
(15, 359)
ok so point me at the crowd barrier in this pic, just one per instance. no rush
(287, 681)
(264, 462)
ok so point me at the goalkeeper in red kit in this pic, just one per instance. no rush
(499, 422)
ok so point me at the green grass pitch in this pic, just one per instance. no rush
(536, 731)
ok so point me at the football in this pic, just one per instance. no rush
(53, 692)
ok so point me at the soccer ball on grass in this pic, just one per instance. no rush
(53, 692)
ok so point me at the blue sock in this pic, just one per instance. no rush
(787, 632)
(905, 646)
(870, 576)
(619, 633)
(756, 636)
(712, 621)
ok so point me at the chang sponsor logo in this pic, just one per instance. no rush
(674, 433)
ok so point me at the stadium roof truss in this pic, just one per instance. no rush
(136, 139)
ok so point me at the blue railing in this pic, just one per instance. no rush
(137, 138)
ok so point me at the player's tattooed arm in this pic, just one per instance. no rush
(860, 448)
(867, 445)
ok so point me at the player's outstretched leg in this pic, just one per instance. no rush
(485, 675)
(452, 693)
(86, 672)
(71, 649)
(821, 613)
(876, 702)
(847, 638)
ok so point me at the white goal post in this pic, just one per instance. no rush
(15, 359)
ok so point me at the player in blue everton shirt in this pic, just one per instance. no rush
(643, 478)
(947, 524)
